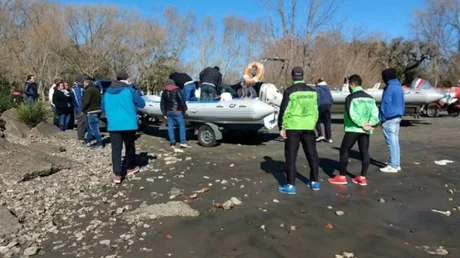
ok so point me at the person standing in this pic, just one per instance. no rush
(31, 89)
(324, 109)
(119, 104)
(297, 119)
(360, 116)
(50, 98)
(77, 96)
(173, 107)
(92, 109)
(210, 79)
(392, 109)
(62, 102)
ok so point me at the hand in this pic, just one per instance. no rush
(283, 134)
(368, 127)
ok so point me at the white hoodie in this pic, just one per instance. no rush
(51, 93)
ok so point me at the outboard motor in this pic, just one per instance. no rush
(270, 94)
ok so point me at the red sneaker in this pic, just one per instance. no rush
(132, 171)
(117, 179)
(360, 180)
(338, 180)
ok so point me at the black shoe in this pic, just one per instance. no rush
(172, 145)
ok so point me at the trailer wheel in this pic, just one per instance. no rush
(453, 110)
(206, 136)
(432, 111)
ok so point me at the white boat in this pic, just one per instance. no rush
(418, 94)
(263, 110)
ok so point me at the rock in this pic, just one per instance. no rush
(450, 191)
(33, 250)
(381, 200)
(348, 255)
(169, 209)
(4, 250)
(120, 210)
(9, 224)
(150, 180)
(13, 126)
(329, 207)
(276, 201)
(236, 201)
(293, 228)
(175, 191)
(339, 213)
(227, 205)
(20, 163)
(193, 196)
(105, 242)
(46, 129)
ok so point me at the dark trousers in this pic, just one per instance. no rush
(349, 140)
(208, 92)
(117, 138)
(291, 148)
(81, 125)
(325, 118)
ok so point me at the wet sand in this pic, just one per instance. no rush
(369, 228)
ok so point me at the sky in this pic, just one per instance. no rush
(390, 17)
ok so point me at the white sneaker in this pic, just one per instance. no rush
(388, 164)
(329, 141)
(321, 138)
(389, 169)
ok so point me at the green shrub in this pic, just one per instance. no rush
(34, 113)
(6, 99)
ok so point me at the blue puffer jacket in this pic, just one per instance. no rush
(324, 94)
(119, 104)
(392, 104)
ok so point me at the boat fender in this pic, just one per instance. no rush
(215, 128)
(248, 78)
(226, 96)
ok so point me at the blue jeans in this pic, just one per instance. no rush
(55, 115)
(391, 133)
(179, 119)
(189, 92)
(92, 128)
(64, 121)
(208, 92)
(30, 99)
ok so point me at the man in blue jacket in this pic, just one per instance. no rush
(324, 108)
(119, 104)
(391, 110)
(77, 100)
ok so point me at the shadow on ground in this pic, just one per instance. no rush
(243, 138)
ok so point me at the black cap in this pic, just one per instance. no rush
(297, 73)
(122, 75)
(79, 79)
(171, 82)
(388, 74)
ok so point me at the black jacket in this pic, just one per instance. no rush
(91, 100)
(172, 100)
(180, 79)
(211, 75)
(31, 89)
(62, 102)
